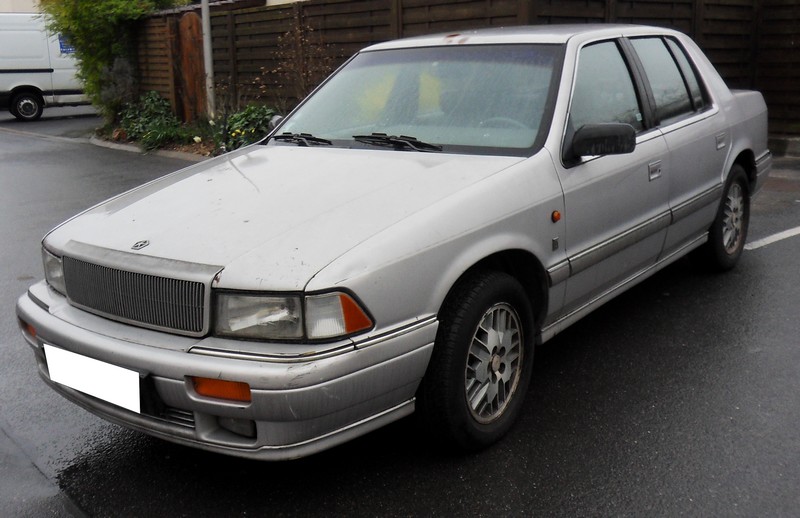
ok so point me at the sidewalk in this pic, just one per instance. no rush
(189, 157)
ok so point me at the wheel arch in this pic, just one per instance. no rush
(457, 408)
(525, 267)
(27, 89)
(747, 160)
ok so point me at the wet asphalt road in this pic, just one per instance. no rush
(679, 397)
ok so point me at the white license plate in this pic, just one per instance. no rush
(102, 380)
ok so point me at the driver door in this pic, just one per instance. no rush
(616, 206)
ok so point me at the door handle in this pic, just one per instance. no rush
(654, 170)
(722, 140)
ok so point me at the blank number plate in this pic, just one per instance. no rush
(102, 380)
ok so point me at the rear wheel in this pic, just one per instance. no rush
(27, 106)
(481, 365)
(728, 233)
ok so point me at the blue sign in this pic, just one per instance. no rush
(63, 43)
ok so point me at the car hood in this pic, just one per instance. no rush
(274, 216)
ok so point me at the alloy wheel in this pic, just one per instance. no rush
(494, 363)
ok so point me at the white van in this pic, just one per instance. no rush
(37, 69)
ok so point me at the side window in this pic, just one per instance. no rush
(604, 90)
(666, 81)
(696, 91)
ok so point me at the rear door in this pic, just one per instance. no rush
(695, 132)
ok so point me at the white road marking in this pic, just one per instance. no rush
(786, 234)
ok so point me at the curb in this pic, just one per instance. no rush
(785, 146)
(179, 155)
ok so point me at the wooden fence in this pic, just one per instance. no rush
(778, 64)
(751, 42)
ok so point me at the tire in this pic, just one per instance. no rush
(728, 233)
(27, 106)
(480, 369)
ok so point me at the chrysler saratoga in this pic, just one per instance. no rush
(400, 242)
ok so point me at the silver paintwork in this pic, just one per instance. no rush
(397, 229)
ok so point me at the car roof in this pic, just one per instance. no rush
(554, 34)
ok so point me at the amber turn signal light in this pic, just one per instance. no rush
(26, 327)
(354, 317)
(222, 389)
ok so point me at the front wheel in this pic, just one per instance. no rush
(481, 364)
(27, 106)
(728, 233)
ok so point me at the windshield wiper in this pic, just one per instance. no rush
(397, 142)
(302, 139)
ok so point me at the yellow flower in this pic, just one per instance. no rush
(197, 140)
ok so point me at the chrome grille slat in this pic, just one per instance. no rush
(161, 302)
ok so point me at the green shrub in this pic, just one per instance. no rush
(101, 31)
(150, 122)
(246, 126)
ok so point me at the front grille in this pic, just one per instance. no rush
(160, 302)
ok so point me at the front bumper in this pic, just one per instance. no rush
(299, 406)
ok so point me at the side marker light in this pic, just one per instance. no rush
(27, 328)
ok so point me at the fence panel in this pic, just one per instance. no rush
(728, 37)
(424, 17)
(678, 15)
(778, 74)
(244, 44)
(570, 11)
(753, 43)
(155, 58)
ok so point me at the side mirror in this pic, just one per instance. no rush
(274, 121)
(604, 139)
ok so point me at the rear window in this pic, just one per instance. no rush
(672, 79)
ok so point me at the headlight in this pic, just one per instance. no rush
(259, 316)
(292, 317)
(53, 271)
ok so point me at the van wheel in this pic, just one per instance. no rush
(27, 106)
(481, 365)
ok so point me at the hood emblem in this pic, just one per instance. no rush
(140, 244)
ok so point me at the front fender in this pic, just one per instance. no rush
(405, 272)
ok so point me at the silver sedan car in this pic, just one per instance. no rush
(401, 241)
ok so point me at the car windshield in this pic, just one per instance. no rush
(487, 99)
